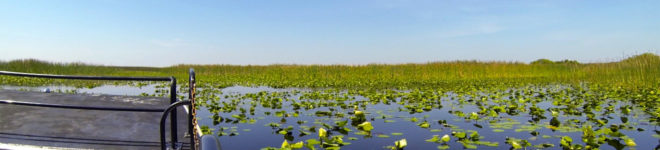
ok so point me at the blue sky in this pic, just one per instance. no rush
(164, 33)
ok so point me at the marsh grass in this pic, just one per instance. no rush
(639, 70)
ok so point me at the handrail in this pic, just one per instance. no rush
(171, 79)
(21, 74)
(11, 102)
(173, 124)
(169, 109)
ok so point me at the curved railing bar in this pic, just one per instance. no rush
(169, 109)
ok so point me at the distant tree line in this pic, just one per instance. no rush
(547, 61)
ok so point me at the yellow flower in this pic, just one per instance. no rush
(401, 143)
(285, 144)
(322, 132)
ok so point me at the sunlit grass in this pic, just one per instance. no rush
(640, 70)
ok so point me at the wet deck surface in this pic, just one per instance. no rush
(84, 129)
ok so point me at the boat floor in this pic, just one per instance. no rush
(84, 129)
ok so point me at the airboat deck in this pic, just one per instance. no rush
(48, 127)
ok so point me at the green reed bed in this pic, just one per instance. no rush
(640, 70)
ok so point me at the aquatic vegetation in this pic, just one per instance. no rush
(445, 138)
(382, 136)
(517, 143)
(424, 124)
(397, 133)
(334, 143)
(566, 143)
(365, 126)
(433, 139)
(459, 135)
(286, 145)
(206, 130)
(601, 114)
(400, 144)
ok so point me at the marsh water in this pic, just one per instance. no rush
(392, 119)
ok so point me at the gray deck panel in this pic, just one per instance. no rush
(86, 129)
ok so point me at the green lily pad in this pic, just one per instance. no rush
(382, 136)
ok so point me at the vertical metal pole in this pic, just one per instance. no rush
(173, 127)
(191, 109)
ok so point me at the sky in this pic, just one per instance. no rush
(260, 32)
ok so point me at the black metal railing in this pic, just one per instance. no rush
(80, 107)
(163, 144)
(173, 100)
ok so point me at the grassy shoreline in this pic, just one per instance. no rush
(640, 70)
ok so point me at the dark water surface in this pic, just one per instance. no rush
(258, 135)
